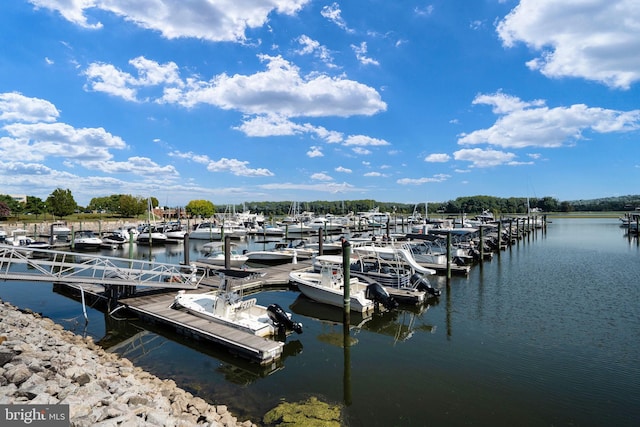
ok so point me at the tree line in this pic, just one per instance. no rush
(61, 203)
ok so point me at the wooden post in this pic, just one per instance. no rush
(227, 252)
(510, 231)
(346, 276)
(448, 254)
(320, 242)
(481, 243)
(499, 236)
(186, 249)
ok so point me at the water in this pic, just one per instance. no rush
(544, 334)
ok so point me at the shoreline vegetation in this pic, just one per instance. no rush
(60, 205)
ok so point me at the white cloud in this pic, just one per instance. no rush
(220, 20)
(484, 158)
(343, 169)
(236, 167)
(373, 174)
(437, 158)
(593, 40)
(324, 187)
(315, 152)
(334, 14)
(136, 165)
(425, 180)
(361, 151)
(424, 11)
(280, 90)
(361, 54)
(15, 107)
(313, 47)
(38, 141)
(321, 176)
(364, 141)
(533, 124)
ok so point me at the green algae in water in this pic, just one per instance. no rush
(312, 413)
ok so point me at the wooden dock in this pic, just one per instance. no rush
(157, 309)
(154, 306)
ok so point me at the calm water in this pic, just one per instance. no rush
(547, 333)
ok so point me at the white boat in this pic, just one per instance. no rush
(395, 269)
(230, 309)
(217, 257)
(269, 256)
(60, 229)
(129, 232)
(114, 239)
(151, 235)
(327, 286)
(174, 230)
(206, 231)
(269, 230)
(329, 224)
(86, 240)
(20, 239)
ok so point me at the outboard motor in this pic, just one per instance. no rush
(281, 320)
(422, 284)
(377, 293)
(475, 254)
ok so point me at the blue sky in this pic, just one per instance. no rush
(270, 100)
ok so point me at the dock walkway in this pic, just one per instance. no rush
(157, 309)
(154, 307)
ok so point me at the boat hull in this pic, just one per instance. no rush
(310, 285)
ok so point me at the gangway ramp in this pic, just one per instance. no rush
(47, 265)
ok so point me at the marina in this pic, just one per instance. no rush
(491, 336)
(145, 288)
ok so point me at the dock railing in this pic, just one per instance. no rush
(44, 265)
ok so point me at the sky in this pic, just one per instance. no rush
(235, 101)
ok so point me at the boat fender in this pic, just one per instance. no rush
(377, 293)
(281, 320)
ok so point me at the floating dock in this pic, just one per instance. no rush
(154, 306)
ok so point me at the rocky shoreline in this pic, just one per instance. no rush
(42, 363)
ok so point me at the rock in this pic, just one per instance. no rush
(41, 363)
(18, 374)
(6, 355)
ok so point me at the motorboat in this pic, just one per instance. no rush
(174, 230)
(60, 230)
(228, 308)
(329, 224)
(269, 256)
(206, 231)
(395, 268)
(86, 240)
(327, 286)
(151, 235)
(114, 239)
(20, 239)
(218, 257)
(269, 230)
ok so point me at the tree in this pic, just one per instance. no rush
(5, 211)
(130, 206)
(203, 208)
(61, 202)
(35, 205)
(11, 204)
